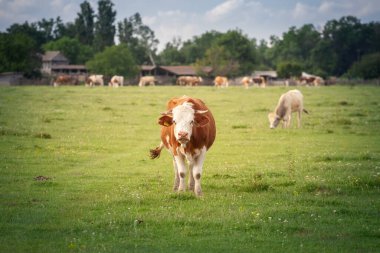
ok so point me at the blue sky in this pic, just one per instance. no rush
(187, 18)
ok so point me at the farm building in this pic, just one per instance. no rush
(268, 75)
(169, 74)
(172, 71)
(54, 62)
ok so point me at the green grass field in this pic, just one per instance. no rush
(76, 175)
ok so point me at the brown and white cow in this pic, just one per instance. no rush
(221, 81)
(246, 81)
(307, 79)
(189, 80)
(147, 80)
(259, 81)
(116, 81)
(65, 80)
(95, 80)
(289, 102)
(188, 131)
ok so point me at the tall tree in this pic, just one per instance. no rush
(171, 55)
(139, 37)
(19, 52)
(104, 26)
(85, 24)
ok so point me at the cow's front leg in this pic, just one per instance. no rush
(176, 176)
(191, 176)
(197, 171)
(181, 170)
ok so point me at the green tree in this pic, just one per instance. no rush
(19, 53)
(241, 50)
(76, 52)
(195, 48)
(114, 60)
(104, 26)
(171, 54)
(348, 39)
(367, 68)
(30, 30)
(221, 61)
(288, 69)
(84, 24)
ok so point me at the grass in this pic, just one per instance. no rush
(76, 176)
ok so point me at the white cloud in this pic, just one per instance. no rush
(302, 11)
(223, 9)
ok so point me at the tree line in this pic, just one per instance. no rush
(344, 47)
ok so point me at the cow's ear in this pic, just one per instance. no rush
(165, 120)
(200, 120)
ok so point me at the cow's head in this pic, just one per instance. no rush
(184, 118)
(274, 120)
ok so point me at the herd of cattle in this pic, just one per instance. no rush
(188, 130)
(219, 81)
(188, 127)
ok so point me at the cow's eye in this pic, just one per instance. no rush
(174, 122)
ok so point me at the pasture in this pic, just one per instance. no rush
(76, 175)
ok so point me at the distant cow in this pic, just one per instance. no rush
(116, 81)
(189, 80)
(246, 81)
(221, 81)
(65, 80)
(308, 79)
(289, 102)
(259, 81)
(95, 80)
(147, 80)
(188, 131)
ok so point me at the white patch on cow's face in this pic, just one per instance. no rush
(183, 119)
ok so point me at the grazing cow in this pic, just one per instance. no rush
(189, 80)
(246, 81)
(307, 79)
(289, 102)
(147, 80)
(116, 81)
(259, 81)
(188, 131)
(94, 80)
(65, 80)
(221, 81)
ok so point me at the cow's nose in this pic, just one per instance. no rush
(182, 134)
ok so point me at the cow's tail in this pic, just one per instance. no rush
(305, 111)
(155, 153)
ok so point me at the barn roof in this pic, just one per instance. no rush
(269, 73)
(69, 67)
(182, 70)
(54, 56)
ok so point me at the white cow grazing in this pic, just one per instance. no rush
(289, 102)
(147, 80)
(94, 80)
(116, 81)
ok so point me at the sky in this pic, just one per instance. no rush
(184, 19)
